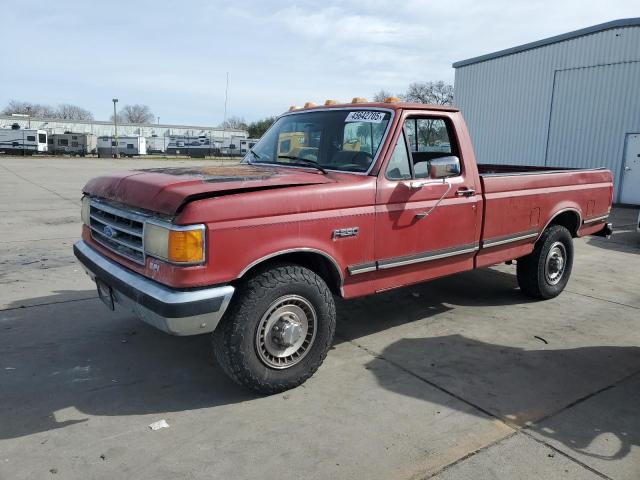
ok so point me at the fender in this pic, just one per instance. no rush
(575, 210)
(333, 261)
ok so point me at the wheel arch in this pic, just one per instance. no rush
(321, 263)
(570, 218)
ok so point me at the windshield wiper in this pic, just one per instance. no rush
(304, 161)
(255, 155)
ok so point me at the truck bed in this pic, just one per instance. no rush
(487, 169)
(520, 200)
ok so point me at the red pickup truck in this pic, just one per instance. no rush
(336, 200)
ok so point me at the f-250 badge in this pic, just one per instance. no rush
(345, 232)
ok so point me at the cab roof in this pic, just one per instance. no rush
(387, 105)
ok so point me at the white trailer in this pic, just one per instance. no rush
(22, 141)
(198, 147)
(157, 144)
(233, 145)
(126, 146)
(247, 144)
(72, 143)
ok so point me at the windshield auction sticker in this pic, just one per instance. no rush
(369, 116)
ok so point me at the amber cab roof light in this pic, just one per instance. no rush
(310, 105)
(359, 100)
(391, 100)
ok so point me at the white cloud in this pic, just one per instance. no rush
(278, 53)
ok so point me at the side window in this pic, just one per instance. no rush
(429, 139)
(433, 135)
(398, 167)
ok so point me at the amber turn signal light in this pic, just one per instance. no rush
(186, 246)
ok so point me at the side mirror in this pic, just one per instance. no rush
(444, 167)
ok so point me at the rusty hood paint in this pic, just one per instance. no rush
(166, 190)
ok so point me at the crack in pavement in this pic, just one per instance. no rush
(75, 202)
(39, 239)
(602, 299)
(517, 429)
(22, 307)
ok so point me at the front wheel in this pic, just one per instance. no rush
(278, 330)
(545, 272)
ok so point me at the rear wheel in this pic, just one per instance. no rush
(545, 272)
(278, 330)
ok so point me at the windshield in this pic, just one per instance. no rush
(345, 140)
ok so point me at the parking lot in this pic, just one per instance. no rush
(463, 377)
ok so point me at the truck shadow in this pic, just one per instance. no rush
(527, 387)
(625, 240)
(62, 362)
(77, 355)
(484, 287)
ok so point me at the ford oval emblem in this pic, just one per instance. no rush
(109, 232)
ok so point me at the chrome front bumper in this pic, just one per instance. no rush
(178, 312)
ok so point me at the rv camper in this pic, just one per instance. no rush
(157, 145)
(247, 144)
(22, 141)
(233, 145)
(198, 147)
(126, 146)
(72, 143)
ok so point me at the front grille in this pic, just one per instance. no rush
(118, 230)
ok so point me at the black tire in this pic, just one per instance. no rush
(237, 347)
(536, 271)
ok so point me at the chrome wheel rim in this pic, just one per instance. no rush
(555, 263)
(286, 332)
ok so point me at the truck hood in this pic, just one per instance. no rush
(166, 190)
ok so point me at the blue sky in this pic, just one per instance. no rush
(173, 56)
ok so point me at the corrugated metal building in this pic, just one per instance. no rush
(102, 128)
(572, 100)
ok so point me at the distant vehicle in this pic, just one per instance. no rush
(72, 143)
(233, 145)
(157, 145)
(22, 141)
(198, 147)
(247, 144)
(127, 146)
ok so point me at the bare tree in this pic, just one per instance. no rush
(135, 114)
(67, 111)
(236, 123)
(64, 111)
(435, 93)
(28, 108)
(381, 95)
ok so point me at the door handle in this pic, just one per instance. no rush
(465, 192)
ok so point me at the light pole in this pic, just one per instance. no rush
(115, 125)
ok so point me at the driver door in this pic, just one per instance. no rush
(425, 226)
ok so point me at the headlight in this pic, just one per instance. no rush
(86, 211)
(175, 244)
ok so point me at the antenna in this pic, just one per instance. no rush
(224, 121)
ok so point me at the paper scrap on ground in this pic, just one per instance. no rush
(159, 424)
